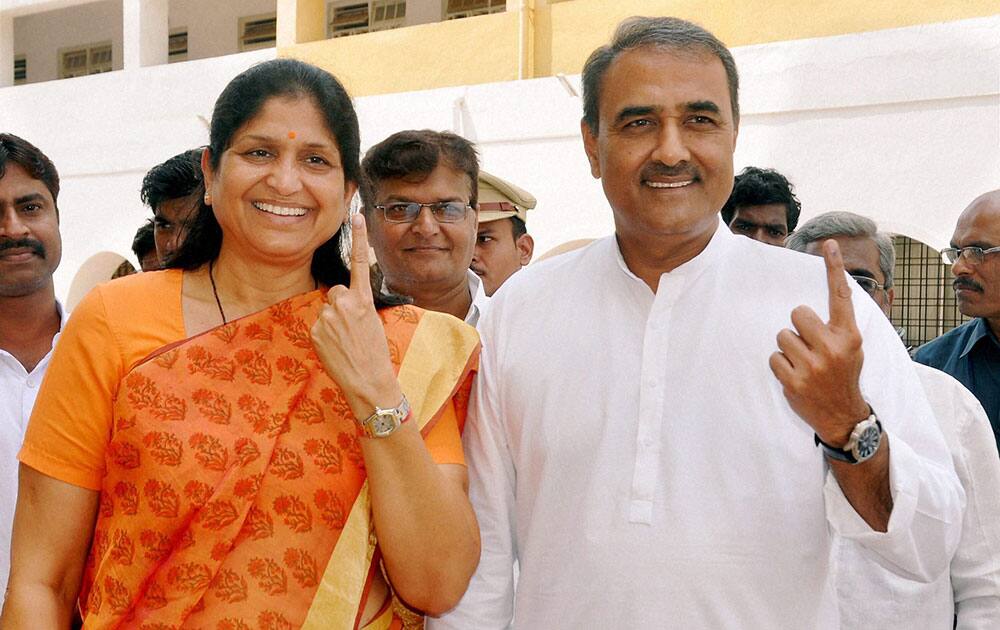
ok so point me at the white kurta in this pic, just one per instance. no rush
(871, 597)
(637, 457)
(18, 389)
(479, 300)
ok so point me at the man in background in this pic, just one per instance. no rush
(971, 352)
(503, 244)
(30, 316)
(419, 193)
(144, 247)
(173, 190)
(762, 206)
(869, 595)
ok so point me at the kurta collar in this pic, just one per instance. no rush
(721, 241)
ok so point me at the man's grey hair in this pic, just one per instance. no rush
(840, 223)
(656, 32)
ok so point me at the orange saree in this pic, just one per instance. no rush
(234, 493)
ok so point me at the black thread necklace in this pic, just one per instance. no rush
(215, 292)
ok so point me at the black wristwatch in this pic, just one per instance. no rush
(861, 446)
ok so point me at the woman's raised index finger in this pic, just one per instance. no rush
(360, 272)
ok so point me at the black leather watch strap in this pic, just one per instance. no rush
(835, 453)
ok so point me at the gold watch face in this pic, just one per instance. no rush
(382, 424)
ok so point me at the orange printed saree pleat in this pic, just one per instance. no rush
(234, 474)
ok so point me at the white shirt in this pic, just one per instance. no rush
(635, 454)
(18, 389)
(871, 597)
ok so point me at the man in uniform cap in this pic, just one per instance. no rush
(503, 244)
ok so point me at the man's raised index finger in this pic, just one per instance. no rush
(841, 306)
(360, 272)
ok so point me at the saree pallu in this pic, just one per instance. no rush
(235, 495)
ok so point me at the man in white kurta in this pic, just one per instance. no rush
(638, 447)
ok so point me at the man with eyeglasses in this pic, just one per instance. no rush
(869, 595)
(971, 352)
(419, 193)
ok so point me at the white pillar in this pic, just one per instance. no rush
(6, 49)
(145, 36)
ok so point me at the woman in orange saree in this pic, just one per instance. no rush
(196, 457)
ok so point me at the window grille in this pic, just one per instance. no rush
(258, 31)
(20, 69)
(177, 48)
(467, 8)
(83, 60)
(364, 17)
(925, 305)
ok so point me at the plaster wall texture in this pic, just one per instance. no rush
(213, 27)
(40, 36)
(902, 125)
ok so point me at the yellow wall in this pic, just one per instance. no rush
(560, 34)
(580, 26)
(479, 49)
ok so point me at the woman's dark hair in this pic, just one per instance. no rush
(243, 99)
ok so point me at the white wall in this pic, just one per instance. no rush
(213, 27)
(900, 125)
(40, 36)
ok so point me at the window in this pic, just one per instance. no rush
(258, 31)
(178, 46)
(20, 69)
(925, 305)
(467, 8)
(351, 18)
(84, 60)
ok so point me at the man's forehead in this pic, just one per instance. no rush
(17, 182)
(649, 67)
(980, 222)
(767, 214)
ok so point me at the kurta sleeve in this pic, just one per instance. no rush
(489, 601)
(71, 423)
(975, 569)
(928, 500)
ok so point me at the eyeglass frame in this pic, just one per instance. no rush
(972, 259)
(434, 206)
(863, 280)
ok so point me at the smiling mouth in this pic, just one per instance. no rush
(682, 184)
(280, 211)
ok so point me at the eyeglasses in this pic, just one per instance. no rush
(443, 211)
(870, 286)
(973, 255)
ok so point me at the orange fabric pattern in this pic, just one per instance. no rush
(232, 465)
